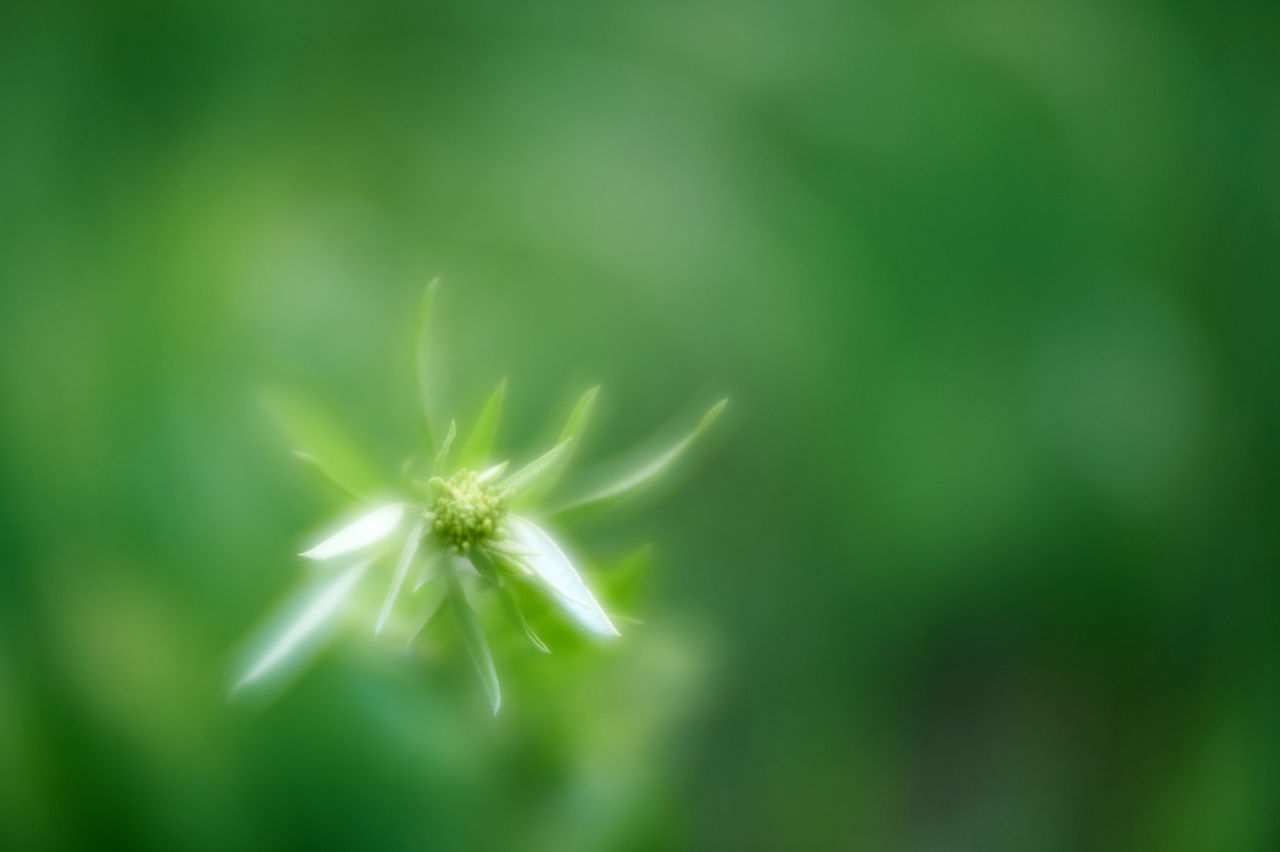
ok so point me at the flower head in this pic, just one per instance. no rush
(462, 529)
(467, 510)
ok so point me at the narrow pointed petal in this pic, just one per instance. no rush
(530, 473)
(367, 530)
(553, 568)
(480, 442)
(473, 637)
(315, 438)
(294, 638)
(493, 472)
(402, 571)
(422, 361)
(630, 484)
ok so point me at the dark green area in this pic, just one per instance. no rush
(981, 556)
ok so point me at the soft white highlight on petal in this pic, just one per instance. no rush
(402, 571)
(367, 530)
(496, 470)
(313, 615)
(553, 568)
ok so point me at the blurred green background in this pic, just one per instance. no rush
(981, 556)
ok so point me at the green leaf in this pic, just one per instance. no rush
(473, 637)
(402, 571)
(517, 616)
(431, 570)
(422, 360)
(530, 473)
(632, 483)
(431, 605)
(480, 442)
(484, 566)
(319, 441)
(441, 465)
(328, 476)
(573, 429)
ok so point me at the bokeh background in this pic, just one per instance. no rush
(980, 557)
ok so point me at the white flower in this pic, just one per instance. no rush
(474, 523)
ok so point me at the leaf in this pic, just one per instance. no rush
(484, 566)
(318, 440)
(551, 565)
(422, 359)
(297, 632)
(430, 607)
(513, 610)
(473, 637)
(328, 475)
(402, 571)
(480, 442)
(428, 574)
(442, 458)
(573, 429)
(529, 474)
(627, 486)
(367, 530)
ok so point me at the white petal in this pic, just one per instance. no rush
(553, 568)
(317, 610)
(496, 470)
(402, 570)
(367, 530)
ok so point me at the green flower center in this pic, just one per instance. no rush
(465, 512)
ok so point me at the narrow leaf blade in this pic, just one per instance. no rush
(441, 464)
(517, 616)
(402, 571)
(319, 440)
(574, 426)
(479, 443)
(328, 475)
(473, 637)
(434, 600)
(530, 473)
(632, 483)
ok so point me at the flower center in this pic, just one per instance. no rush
(466, 511)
